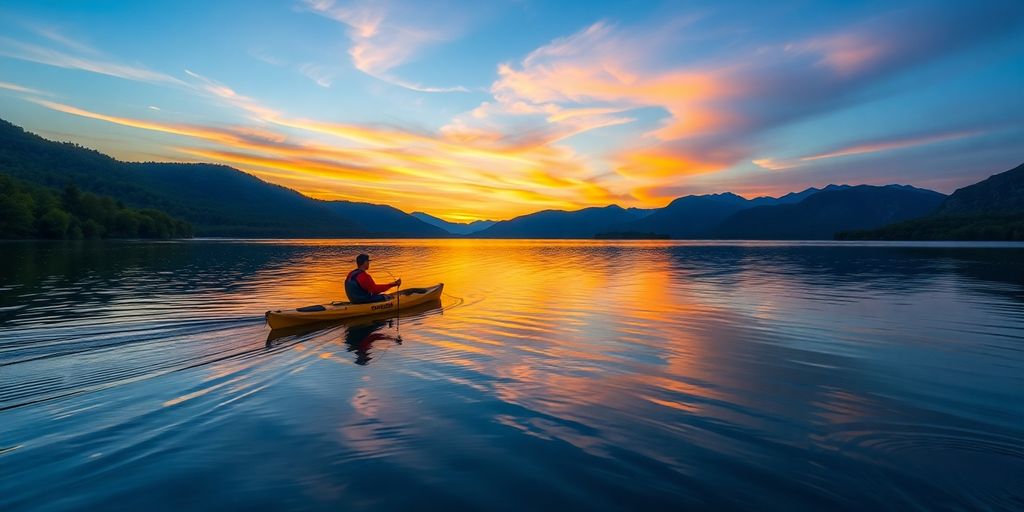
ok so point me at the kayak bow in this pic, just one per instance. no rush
(410, 297)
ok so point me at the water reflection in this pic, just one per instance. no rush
(560, 374)
(360, 340)
(361, 333)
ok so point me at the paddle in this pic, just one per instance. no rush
(398, 311)
(398, 307)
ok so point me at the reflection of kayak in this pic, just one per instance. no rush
(340, 310)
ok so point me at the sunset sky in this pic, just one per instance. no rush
(494, 109)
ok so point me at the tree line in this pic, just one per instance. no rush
(1004, 227)
(29, 211)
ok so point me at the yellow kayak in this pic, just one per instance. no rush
(408, 298)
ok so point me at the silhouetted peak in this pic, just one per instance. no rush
(721, 197)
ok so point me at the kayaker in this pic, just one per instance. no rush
(361, 288)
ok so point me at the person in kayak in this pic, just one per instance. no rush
(361, 288)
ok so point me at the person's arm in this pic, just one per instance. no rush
(370, 286)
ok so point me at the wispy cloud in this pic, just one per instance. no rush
(886, 145)
(773, 164)
(382, 41)
(413, 86)
(21, 88)
(200, 132)
(321, 75)
(57, 35)
(228, 95)
(34, 53)
(865, 147)
(266, 57)
(96, 62)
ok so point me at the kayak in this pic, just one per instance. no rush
(403, 299)
(356, 322)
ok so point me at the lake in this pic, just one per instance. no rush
(554, 374)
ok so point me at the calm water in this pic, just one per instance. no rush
(140, 376)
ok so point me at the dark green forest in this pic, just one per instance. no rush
(30, 211)
(1007, 227)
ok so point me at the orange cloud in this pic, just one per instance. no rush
(391, 166)
(309, 168)
(200, 132)
(598, 65)
(715, 110)
(661, 164)
(564, 114)
(590, 79)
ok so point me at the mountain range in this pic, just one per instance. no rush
(697, 216)
(806, 215)
(216, 199)
(823, 214)
(455, 228)
(220, 201)
(992, 209)
(585, 223)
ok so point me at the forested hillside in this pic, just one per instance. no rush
(31, 211)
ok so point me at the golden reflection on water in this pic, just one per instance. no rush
(547, 321)
(669, 353)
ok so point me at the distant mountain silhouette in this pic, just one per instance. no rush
(689, 216)
(585, 223)
(217, 200)
(821, 215)
(696, 216)
(1002, 193)
(992, 209)
(383, 220)
(792, 197)
(455, 228)
(810, 214)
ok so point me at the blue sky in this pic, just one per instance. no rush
(493, 109)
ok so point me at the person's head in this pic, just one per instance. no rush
(363, 261)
